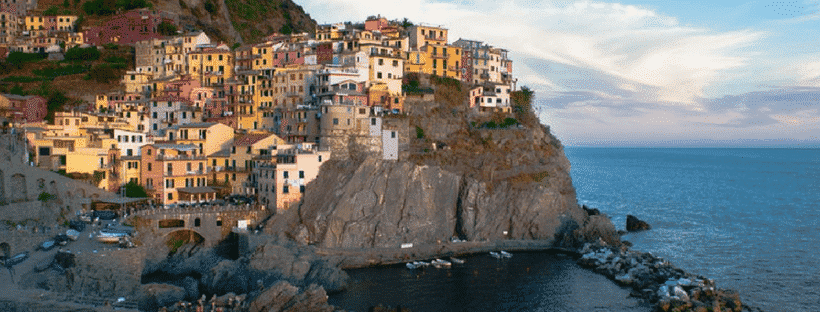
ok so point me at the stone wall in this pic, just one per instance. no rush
(20, 183)
(212, 223)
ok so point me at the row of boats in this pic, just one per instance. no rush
(437, 263)
(443, 264)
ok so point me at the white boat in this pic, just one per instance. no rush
(439, 263)
(495, 254)
(412, 265)
(505, 254)
(421, 264)
(456, 260)
(110, 236)
(72, 234)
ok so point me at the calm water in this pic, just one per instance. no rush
(749, 218)
(526, 282)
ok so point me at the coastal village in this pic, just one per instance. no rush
(203, 145)
(197, 120)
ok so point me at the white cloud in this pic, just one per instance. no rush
(635, 44)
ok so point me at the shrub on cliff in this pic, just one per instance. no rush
(522, 106)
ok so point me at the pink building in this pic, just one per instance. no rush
(127, 28)
(19, 108)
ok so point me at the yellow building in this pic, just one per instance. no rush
(243, 151)
(211, 66)
(261, 56)
(438, 60)
(34, 23)
(329, 32)
(66, 22)
(136, 82)
(421, 35)
(209, 137)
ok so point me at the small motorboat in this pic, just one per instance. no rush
(411, 265)
(439, 263)
(108, 236)
(456, 260)
(495, 254)
(16, 259)
(505, 254)
(47, 245)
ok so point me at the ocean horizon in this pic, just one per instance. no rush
(745, 217)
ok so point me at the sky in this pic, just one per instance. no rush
(643, 73)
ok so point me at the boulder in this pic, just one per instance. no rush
(314, 299)
(191, 286)
(227, 276)
(274, 298)
(155, 296)
(634, 224)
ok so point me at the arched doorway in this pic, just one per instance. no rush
(179, 238)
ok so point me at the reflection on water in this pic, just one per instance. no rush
(536, 281)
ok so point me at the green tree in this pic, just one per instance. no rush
(55, 103)
(82, 54)
(132, 189)
(66, 3)
(52, 11)
(167, 29)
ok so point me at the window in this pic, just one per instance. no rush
(148, 152)
(320, 158)
(249, 150)
(285, 174)
(392, 134)
(379, 74)
(170, 196)
(196, 222)
(335, 121)
(395, 63)
(381, 61)
(302, 189)
(285, 189)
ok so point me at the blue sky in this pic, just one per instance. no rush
(644, 73)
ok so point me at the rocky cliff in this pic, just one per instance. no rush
(239, 21)
(462, 176)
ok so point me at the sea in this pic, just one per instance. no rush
(747, 218)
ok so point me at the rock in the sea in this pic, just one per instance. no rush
(680, 293)
(635, 224)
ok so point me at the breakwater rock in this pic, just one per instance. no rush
(656, 280)
(634, 224)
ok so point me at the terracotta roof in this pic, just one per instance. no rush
(250, 139)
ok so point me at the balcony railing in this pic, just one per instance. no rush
(181, 157)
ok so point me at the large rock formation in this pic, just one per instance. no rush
(461, 176)
(385, 204)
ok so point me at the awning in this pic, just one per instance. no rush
(197, 190)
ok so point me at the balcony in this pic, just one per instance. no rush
(180, 157)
